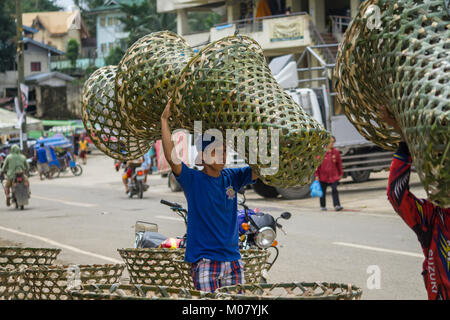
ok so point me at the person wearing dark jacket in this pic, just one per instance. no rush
(329, 173)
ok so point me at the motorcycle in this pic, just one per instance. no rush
(136, 185)
(258, 230)
(62, 164)
(147, 236)
(19, 191)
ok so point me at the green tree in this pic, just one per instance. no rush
(143, 19)
(7, 45)
(114, 56)
(72, 51)
(202, 21)
(33, 6)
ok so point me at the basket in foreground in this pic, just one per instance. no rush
(55, 282)
(291, 291)
(152, 266)
(9, 282)
(16, 257)
(136, 292)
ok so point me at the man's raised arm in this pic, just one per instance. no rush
(168, 145)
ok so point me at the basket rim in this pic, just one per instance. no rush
(355, 293)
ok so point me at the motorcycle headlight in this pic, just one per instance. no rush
(265, 237)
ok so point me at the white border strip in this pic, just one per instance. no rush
(60, 245)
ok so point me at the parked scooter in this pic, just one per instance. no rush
(147, 235)
(19, 191)
(258, 229)
(136, 185)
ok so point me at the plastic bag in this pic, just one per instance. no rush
(316, 189)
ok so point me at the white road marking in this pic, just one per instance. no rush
(169, 218)
(60, 245)
(70, 203)
(405, 253)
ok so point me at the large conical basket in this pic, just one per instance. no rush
(55, 282)
(228, 86)
(19, 259)
(103, 120)
(291, 291)
(137, 292)
(146, 78)
(9, 282)
(254, 261)
(153, 266)
(396, 53)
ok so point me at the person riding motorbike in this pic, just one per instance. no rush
(14, 163)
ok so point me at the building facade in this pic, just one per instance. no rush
(110, 29)
(57, 28)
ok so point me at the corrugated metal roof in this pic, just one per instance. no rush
(42, 45)
(47, 75)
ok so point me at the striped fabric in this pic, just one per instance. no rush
(209, 275)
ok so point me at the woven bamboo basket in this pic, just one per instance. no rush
(228, 86)
(9, 282)
(291, 291)
(153, 266)
(396, 53)
(55, 282)
(103, 120)
(19, 259)
(255, 262)
(137, 292)
(146, 77)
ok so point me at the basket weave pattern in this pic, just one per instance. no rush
(19, 259)
(9, 282)
(146, 77)
(102, 118)
(228, 85)
(400, 59)
(153, 266)
(54, 282)
(137, 292)
(291, 291)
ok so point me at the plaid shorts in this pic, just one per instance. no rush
(209, 275)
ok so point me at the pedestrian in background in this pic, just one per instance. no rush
(329, 173)
(83, 147)
(42, 161)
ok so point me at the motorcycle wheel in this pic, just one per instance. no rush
(77, 170)
(141, 190)
(21, 207)
(54, 172)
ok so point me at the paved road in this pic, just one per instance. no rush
(89, 217)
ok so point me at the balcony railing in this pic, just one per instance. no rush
(251, 25)
(339, 24)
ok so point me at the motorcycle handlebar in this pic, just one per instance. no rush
(170, 204)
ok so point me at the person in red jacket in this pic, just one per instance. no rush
(329, 173)
(429, 222)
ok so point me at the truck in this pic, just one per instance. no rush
(360, 157)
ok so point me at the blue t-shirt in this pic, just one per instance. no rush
(212, 230)
(42, 155)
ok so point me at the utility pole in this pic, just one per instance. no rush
(20, 74)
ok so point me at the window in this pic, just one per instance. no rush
(103, 21)
(111, 46)
(103, 47)
(110, 21)
(35, 66)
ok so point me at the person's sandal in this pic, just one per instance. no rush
(338, 208)
(8, 201)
